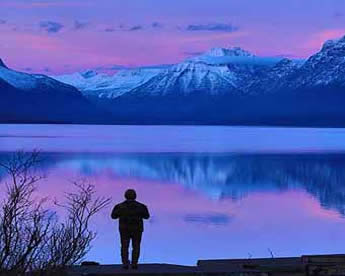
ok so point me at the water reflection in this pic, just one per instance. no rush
(221, 176)
(201, 200)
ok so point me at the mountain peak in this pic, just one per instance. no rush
(2, 64)
(221, 56)
(233, 51)
(333, 43)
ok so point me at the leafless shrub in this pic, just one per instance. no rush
(31, 237)
(71, 240)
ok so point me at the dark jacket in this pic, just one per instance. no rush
(131, 214)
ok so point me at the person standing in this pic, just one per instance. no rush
(130, 214)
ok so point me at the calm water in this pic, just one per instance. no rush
(214, 192)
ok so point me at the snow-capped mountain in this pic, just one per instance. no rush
(28, 82)
(189, 77)
(38, 98)
(325, 68)
(222, 86)
(215, 72)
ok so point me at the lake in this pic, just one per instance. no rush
(213, 192)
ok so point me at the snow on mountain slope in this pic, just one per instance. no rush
(17, 79)
(28, 82)
(189, 77)
(100, 85)
(38, 98)
(325, 68)
(213, 73)
(270, 79)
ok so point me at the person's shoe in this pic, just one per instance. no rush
(125, 266)
(134, 266)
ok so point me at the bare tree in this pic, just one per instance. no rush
(71, 240)
(31, 237)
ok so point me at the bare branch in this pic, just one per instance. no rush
(31, 237)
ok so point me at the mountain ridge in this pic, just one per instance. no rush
(30, 98)
(221, 87)
(207, 71)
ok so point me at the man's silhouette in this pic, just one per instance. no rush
(131, 214)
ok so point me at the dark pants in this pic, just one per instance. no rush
(126, 237)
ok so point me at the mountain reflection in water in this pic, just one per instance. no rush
(221, 176)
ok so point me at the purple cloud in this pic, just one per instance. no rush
(109, 30)
(157, 25)
(80, 25)
(51, 27)
(214, 27)
(136, 28)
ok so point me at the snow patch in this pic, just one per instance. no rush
(17, 79)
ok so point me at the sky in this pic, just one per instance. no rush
(65, 36)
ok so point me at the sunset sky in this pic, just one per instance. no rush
(63, 36)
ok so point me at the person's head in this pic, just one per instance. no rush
(130, 194)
